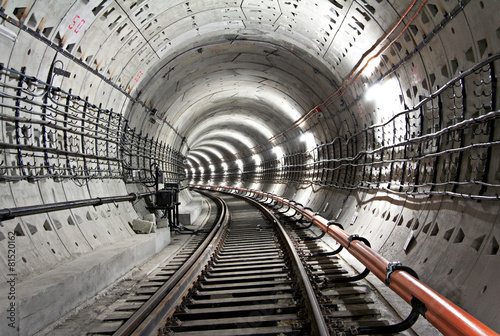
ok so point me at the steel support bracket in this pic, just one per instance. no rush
(397, 266)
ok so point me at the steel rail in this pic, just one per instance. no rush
(319, 325)
(153, 314)
(446, 316)
(10, 213)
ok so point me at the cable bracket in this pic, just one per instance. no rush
(397, 266)
(333, 223)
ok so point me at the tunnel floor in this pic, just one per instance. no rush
(88, 317)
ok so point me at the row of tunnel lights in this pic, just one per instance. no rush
(371, 94)
(307, 138)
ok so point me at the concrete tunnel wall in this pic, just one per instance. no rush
(217, 86)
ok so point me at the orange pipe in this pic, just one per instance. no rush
(441, 312)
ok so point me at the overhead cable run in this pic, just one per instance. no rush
(50, 133)
(445, 145)
(59, 48)
(371, 55)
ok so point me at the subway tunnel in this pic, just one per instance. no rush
(381, 115)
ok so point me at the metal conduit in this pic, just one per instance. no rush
(10, 213)
(442, 313)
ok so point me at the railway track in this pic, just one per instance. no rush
(128, 312)
(257, 278)
(250, 287)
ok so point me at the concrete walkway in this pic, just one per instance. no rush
(44, 298)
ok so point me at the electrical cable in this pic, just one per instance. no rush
(358, 70)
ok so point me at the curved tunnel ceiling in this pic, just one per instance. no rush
(256, 103)
(242, 72)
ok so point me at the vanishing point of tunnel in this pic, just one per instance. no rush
(382, 115)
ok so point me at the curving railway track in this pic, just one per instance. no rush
(252, 273)
(252, 286)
